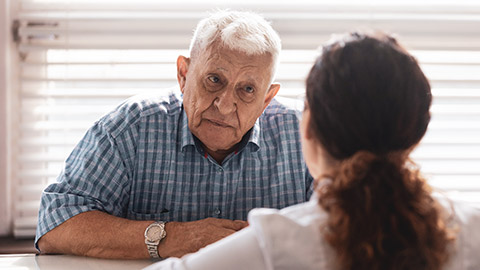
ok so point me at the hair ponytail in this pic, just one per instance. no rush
(381, 215)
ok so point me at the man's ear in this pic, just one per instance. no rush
(182, 68)
(271, 93)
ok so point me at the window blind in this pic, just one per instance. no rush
(80, 59)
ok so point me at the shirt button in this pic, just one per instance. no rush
(220, 170)
(217, 212)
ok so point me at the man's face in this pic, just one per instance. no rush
(224, 92)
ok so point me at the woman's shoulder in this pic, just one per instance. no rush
(459, 209)
(302, 214)
(463, 217)
(291, 238)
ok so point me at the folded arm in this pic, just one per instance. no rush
(97, 234)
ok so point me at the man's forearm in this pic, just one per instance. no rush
(97, 234)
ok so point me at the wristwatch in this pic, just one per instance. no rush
(154, 233)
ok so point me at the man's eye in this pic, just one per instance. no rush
(214, 79)
(249, 89)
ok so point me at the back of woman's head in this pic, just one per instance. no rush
(369, 104)
(368, 94)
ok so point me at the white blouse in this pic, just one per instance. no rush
(291, 239)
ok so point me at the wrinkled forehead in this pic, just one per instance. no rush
(216, 53)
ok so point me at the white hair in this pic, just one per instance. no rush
(242, 31)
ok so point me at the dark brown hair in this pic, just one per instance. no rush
(369, 104)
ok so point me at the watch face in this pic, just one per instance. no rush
(154, 233)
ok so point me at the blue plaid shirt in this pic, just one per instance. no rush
(141, 162)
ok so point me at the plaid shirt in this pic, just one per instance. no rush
(142, 162)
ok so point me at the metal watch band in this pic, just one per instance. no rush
(152, 244)
(153, 251)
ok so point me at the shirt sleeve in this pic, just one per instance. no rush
(94, 178)
(236, 252)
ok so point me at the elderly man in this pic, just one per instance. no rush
(165, 175)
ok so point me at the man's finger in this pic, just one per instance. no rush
(240, 224)
(235, 225)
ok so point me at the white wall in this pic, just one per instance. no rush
(5, 190)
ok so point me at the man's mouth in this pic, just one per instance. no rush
(218, 123)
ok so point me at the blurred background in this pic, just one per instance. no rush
(65, 63)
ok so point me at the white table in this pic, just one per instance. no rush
(66, 262)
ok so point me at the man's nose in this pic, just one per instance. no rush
(226, 102)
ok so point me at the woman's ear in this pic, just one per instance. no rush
(183, 64)
(308, 133)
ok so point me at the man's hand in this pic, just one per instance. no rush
(188, 237)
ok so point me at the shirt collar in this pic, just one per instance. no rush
(254, 139)
(187, 137)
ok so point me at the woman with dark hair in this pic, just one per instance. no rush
(367, 107)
